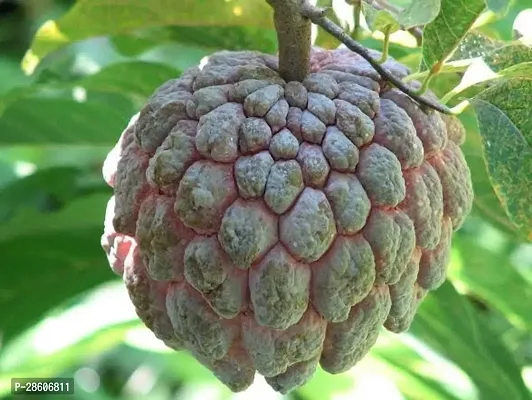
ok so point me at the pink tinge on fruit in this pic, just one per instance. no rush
(110, 164)
(116, 246)
(270, 226)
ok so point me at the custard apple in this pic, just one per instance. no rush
(270, 226)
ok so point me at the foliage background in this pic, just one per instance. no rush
(62, 311)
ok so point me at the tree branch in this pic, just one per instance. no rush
(317, 16)
(294, 37)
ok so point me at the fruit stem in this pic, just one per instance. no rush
(294, 37)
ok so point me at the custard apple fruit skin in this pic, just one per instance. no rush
(270, 226)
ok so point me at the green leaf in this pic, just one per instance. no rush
(65, 113)
(416, 13)
(492, 276)
(480, 72)
(504, 26)
(40, 271)
(10, 67)
(447, 322)
(7, 175)
(475, 44)
(87, 158)
(77, 60)
(498, 6)
(443, 35)
(44, 190)
(49, 257)
(342, 15)
(325, 386)
(207, 37)
(181, 365)
(523, 70)
(411, 372)
(419, 12)
(52, 365)
(175, 54)
(508, 56)
(513, 97)
(76, 215)
(380, 20)
(485, 202)
(65, 117)
(514, 60)
(89, 18)
(95, 55)
(508, 153)
(138, 78)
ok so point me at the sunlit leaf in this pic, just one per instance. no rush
(475, 44)
(137, 77)
(52, 365)
(444, 34)
(492, 275)
(325, 386)
(447, 322)
(412, 372)
(344, 12)
(207, 37)
(89, 18)
(481, 72)
(504, 24)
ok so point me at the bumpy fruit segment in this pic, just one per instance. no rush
(270, 226)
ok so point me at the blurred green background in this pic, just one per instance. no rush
(64, 313)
